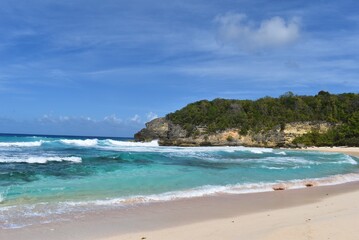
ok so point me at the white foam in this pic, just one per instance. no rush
(167, 196)
(18, 216)
(259, 150)
(2, 197)
(350, 160)
(302, 166)
(153, 146)
(211, 190)
(42, 159)
(285, 160)
(344, 159)
(153, 143)
(80, 143)
(266, 160)
(273, 168)
(21, 144)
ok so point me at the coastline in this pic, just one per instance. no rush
(353, 151)
(312, 213)
(316, 213)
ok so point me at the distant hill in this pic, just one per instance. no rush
(290, 120)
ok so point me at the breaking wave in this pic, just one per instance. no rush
(80, 143)
(39, 159)
(52, 176)
(19, 216)
(153, 143)
(22, 144)
(2, 197)
(227, 189)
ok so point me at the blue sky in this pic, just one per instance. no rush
(89, 67)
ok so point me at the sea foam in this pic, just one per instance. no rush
(80, 143)
(21, 144)
(2, 197)
(349, 159)
(39, 159)
(153, 143)
(212, 190)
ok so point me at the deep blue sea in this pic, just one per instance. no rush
(43, 178)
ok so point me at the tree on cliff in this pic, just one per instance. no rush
(266, 113)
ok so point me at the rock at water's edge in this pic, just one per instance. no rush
(170, 134)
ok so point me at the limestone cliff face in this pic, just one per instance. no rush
(162, 129)
(170, 134)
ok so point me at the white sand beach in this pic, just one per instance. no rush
(333, 217)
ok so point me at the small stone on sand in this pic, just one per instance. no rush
(279, 187)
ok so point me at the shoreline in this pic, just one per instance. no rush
(353, 151)
(210, 217)
(327, 212)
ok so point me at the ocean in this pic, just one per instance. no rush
(45, 178)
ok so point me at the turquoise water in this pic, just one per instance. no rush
(46, 176)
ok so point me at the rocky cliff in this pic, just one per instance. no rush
(170, 134)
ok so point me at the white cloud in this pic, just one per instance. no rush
(136, 118)
(113, 119)
(234, 29)
(64, 118)
(48, 118)
(151, 116)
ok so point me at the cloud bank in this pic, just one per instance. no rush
(110, 125)
(236, 30)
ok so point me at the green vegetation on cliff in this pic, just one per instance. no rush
(346, 134)
(266, 113)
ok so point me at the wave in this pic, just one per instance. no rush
(80, 143)
(107, 143)
(22, 144)
(349, 159)
(285, 161)
(273, 168)
(18, 216)
(153, 143)
(41, 160)
(211, 190)
(2, 197)
(259, 150)
(153, 146)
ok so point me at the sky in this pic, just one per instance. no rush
(105, 68)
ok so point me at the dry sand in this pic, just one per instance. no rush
(326, 212)
(332, 218)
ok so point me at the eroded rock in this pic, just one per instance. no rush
(170, 134)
